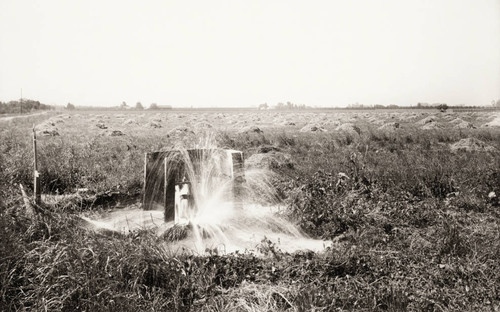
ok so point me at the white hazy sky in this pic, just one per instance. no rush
(243, 53)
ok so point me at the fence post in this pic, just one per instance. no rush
(36, 182)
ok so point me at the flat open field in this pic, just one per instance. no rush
(408, 201)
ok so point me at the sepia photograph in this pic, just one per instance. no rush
(252, 156)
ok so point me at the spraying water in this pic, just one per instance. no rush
(215, 208)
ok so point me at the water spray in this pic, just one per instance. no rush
(178, 181)
(203, 199)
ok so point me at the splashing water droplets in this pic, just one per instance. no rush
(215, 207)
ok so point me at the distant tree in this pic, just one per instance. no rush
(138, 105)
(123, 105)
(153, 106)
(263, 106)
(442, 107)
(70, 106)
(422, 105)
(497, 104)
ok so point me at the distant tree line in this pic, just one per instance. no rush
(290, 105)
(139, 106)
(22, 106)
(422, 105)
(283, 106)
(394, 106)
(439, 106)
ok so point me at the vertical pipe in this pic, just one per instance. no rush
(36, 182)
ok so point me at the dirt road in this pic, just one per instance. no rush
(9, 118)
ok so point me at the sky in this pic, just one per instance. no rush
(244, 53)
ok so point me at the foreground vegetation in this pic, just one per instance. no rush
(414, 226)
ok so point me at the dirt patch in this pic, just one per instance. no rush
(9, 118)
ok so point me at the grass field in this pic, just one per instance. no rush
(414, 227)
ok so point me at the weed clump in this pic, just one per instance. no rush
(176, 233)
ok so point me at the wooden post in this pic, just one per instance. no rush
(238, 177)
(169, 190)
(159, 183)
(153, 180)
(36, 182)
(144, 184)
